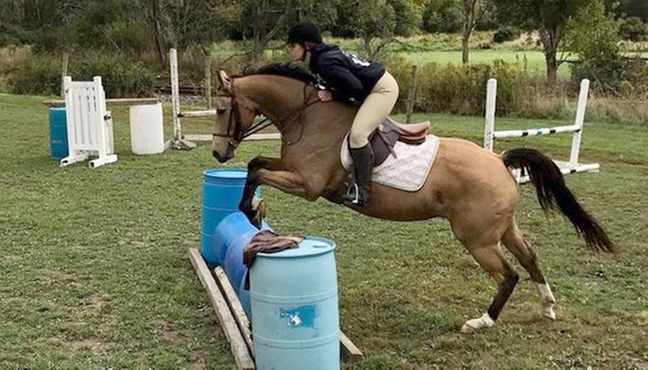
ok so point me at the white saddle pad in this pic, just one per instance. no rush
(407, 171)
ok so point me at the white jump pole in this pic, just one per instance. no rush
(577, 128)
(491, 100)
(578, 122)
(178, 141)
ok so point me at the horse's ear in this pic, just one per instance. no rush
(225, 81)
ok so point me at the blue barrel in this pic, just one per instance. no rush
(58, 133)
(222, 192)
(231, 236)
(295, 321)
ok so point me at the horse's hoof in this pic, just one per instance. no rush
(258, 211)
(473, 325)
(549, 313)
(467, 329)
(259, 206)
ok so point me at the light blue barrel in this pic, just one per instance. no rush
(295, 319)
(231, 236)
(222, 192)
(58, 132)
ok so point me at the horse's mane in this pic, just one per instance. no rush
(282, 69)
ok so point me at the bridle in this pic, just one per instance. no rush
(235, 132)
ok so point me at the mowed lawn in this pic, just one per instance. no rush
(94, 270)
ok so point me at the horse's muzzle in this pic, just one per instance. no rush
(223, 159)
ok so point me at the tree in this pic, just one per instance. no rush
(549, 17)
(628, 8)
(408, 15)
(264, 20)
(472, 12)
(443, 16)
(153, 18)
(593, 35)
(376, 19)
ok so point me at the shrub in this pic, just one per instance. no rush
(11, 34)
(633, 28)
(506, 34)
(41, 74)
(121, 75)
(36, 75)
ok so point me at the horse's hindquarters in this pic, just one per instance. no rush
(464, 180)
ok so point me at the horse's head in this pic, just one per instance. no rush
(234, 116)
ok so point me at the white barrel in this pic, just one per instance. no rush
(147, 131)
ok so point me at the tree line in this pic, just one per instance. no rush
(154, 26)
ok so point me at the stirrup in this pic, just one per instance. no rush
(353, 195)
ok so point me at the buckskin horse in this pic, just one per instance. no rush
(472, 188)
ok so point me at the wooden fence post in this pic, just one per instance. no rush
(64, 72)
(208, 89)
(411, 95)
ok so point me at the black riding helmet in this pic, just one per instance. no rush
(304, 32)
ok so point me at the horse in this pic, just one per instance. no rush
(474, 189)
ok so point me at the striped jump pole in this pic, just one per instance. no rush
(572, 166)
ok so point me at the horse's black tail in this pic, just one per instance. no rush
(553, 194)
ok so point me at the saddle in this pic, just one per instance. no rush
(382, 140)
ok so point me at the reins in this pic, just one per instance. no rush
(299, 114)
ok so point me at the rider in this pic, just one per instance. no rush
(345, 77)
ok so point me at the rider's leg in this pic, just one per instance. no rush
(376, 107)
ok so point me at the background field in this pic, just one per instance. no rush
(95, 274)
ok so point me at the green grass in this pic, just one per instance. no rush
(95, 273)
(532, 60)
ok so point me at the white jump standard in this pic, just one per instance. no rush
(572, 166)
(89, 124)
(178, 141)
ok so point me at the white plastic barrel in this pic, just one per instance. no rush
(147, 131)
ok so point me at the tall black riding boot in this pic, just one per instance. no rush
(359, 193)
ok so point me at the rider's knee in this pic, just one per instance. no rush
(358, 140)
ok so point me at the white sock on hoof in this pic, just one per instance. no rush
(474, 324)
(548, 300)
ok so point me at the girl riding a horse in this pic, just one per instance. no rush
(346, 78)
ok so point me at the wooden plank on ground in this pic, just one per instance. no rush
(348, 351)
(239, 348)
(235, 306)
(270, 136)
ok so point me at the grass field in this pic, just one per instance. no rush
(95, 274)
(532, 60)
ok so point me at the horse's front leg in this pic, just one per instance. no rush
(273, 173)
(247, 205)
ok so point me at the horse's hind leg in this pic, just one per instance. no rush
(514, 241)
(490, 258)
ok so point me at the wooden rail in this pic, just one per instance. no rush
(233, 320)
(117, 101)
